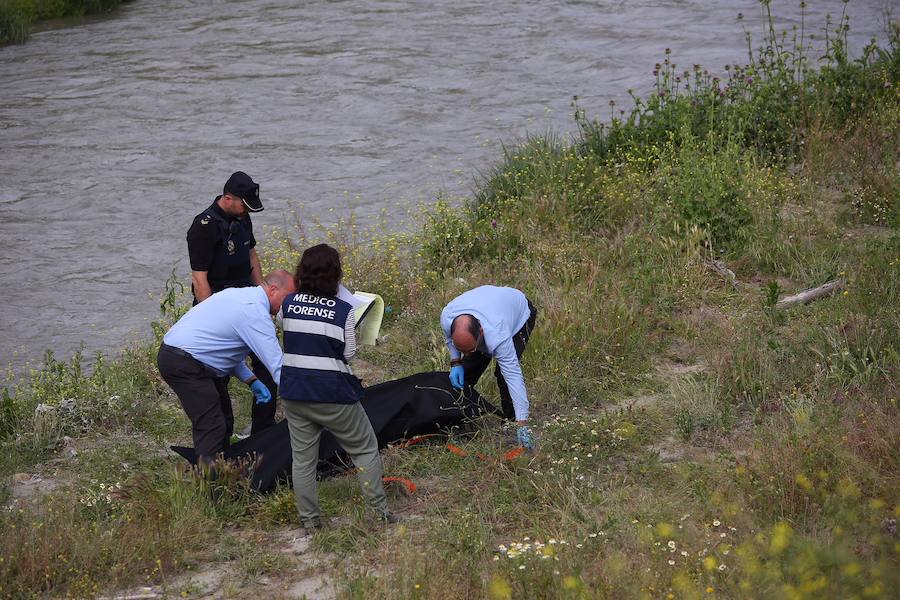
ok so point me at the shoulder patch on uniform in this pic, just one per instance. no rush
(204, 221)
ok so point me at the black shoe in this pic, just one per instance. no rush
(313, 525)
(390, 518)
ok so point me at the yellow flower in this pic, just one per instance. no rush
(570, 582)
(804, 482)
(781, 538)
(499, 589)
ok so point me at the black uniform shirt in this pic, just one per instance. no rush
(221, 244)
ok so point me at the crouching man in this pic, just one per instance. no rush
(212, 340)
(492, 322)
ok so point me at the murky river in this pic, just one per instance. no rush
(115, 132)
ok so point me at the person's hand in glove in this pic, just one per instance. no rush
(524, 437)
(457, 376)
(262, 393)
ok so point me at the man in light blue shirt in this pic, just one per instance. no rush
(486, 322)
(212, 340)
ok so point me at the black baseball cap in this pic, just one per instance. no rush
(241, 185)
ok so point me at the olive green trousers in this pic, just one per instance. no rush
(350, 425)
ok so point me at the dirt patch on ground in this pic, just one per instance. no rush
(869, 232)
(703, 317)
(761, 282)
(672, 450)
(643, 401)
(25, 486)
(299, 573)
(669, 370)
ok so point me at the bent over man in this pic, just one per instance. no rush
(210, 342)
(222, 251)
(318, 388)
(487, 322)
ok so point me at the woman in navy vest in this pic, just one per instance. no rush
(319, 389)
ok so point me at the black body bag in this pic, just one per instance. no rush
(401, 409)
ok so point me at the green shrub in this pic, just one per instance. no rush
(768, 103)
(17, 16)
(701, 183)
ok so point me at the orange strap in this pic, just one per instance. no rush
(408, 486)
(507, 456)
(418, 440)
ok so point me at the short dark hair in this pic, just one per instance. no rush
(319, 271)
(474, 327)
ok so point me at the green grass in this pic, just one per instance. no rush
(18, 16)
(760, 461)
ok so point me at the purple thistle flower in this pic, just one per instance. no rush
(493, 223)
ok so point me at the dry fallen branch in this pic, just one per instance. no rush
(807, 296)
(719, 267)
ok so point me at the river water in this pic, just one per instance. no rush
(115, 132)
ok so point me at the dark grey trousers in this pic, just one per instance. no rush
(203, 397)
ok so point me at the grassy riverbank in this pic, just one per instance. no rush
(18, 16)
(696, 439)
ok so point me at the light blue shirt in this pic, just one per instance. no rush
(223, 329)
(502, 311)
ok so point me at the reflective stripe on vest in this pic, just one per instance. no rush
(315, 327)
(319, 363)
(314, 367)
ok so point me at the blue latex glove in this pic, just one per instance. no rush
(262, 393)
(524, 437)
(457, 376)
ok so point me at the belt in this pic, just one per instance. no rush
(174, 350)
(185, 354)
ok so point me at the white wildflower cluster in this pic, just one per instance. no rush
(619, 434)
(100, 494)
(529, 549)
(711, 555)
(670, 547)
(581, 442)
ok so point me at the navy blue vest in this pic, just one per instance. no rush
(231, 266)
(314, 368)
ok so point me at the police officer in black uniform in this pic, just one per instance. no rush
(222, 251)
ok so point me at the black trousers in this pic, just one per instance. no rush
(262, 416)
(201, 395)
(476, 363)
